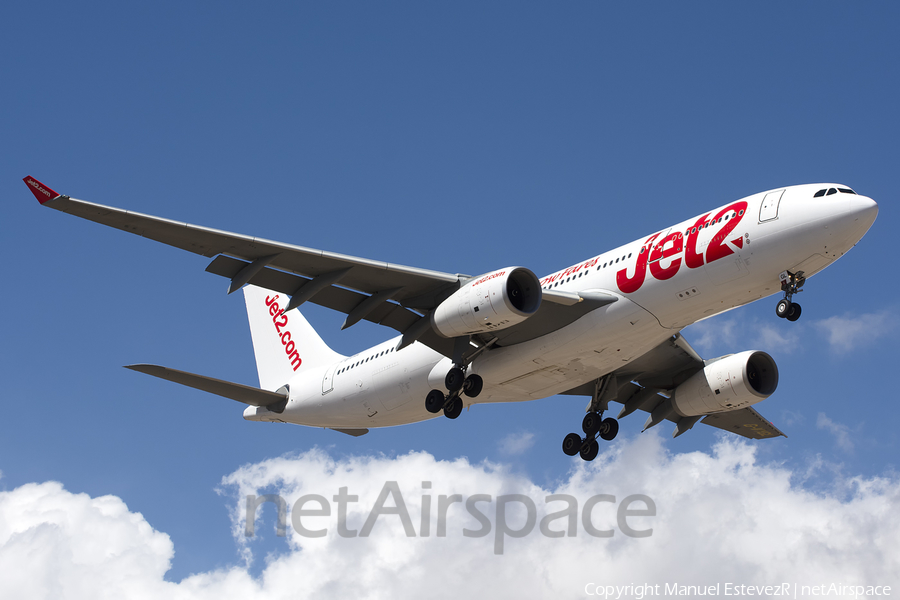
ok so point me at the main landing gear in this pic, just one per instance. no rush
(456, 383)
(791, 283)
(594, 426)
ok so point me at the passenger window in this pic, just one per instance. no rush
(629, 255)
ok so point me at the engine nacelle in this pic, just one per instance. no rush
(491, 302)
(729, 383)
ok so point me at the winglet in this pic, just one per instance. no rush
(40, 191)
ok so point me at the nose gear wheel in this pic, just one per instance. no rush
(791, 283)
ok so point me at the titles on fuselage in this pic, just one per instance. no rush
(678, 247)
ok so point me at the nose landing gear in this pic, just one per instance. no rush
(791, 283)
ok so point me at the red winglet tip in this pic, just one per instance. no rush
(40, 191)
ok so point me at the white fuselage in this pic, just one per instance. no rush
(664, 282)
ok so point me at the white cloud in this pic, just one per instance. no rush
(720, 517)
(55, 544)
(842, 333)
(711, 334)
(789, 417)
(733, 334)
(849, 332)
(516, 443)
(840, 431)
(775, 338)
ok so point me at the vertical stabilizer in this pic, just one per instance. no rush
(284, 344)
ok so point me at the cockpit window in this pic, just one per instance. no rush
(830, 191)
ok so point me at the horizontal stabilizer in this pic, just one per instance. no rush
(235, 391)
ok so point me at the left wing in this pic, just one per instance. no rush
(397, 296)
(745, 422)
(663, 369)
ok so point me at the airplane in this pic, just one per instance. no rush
(607, 328)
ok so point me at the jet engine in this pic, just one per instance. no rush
(490, 302)
(728, 383)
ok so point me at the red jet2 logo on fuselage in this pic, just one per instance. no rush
(280, 320)
(672, 246)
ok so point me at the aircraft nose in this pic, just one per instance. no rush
(865, 209)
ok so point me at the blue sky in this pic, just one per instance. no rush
(459, 137)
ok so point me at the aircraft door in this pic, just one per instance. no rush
(328, 381)
(769, 208)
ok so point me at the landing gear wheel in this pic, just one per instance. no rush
(609, 428)
(783, 308)
(434, 401)
(572, 444)
(453, 408)
(454, 379)
(473, 385)
(590, 424)
(791, 283)
(589, 451)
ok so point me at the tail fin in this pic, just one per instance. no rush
(284, 343)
